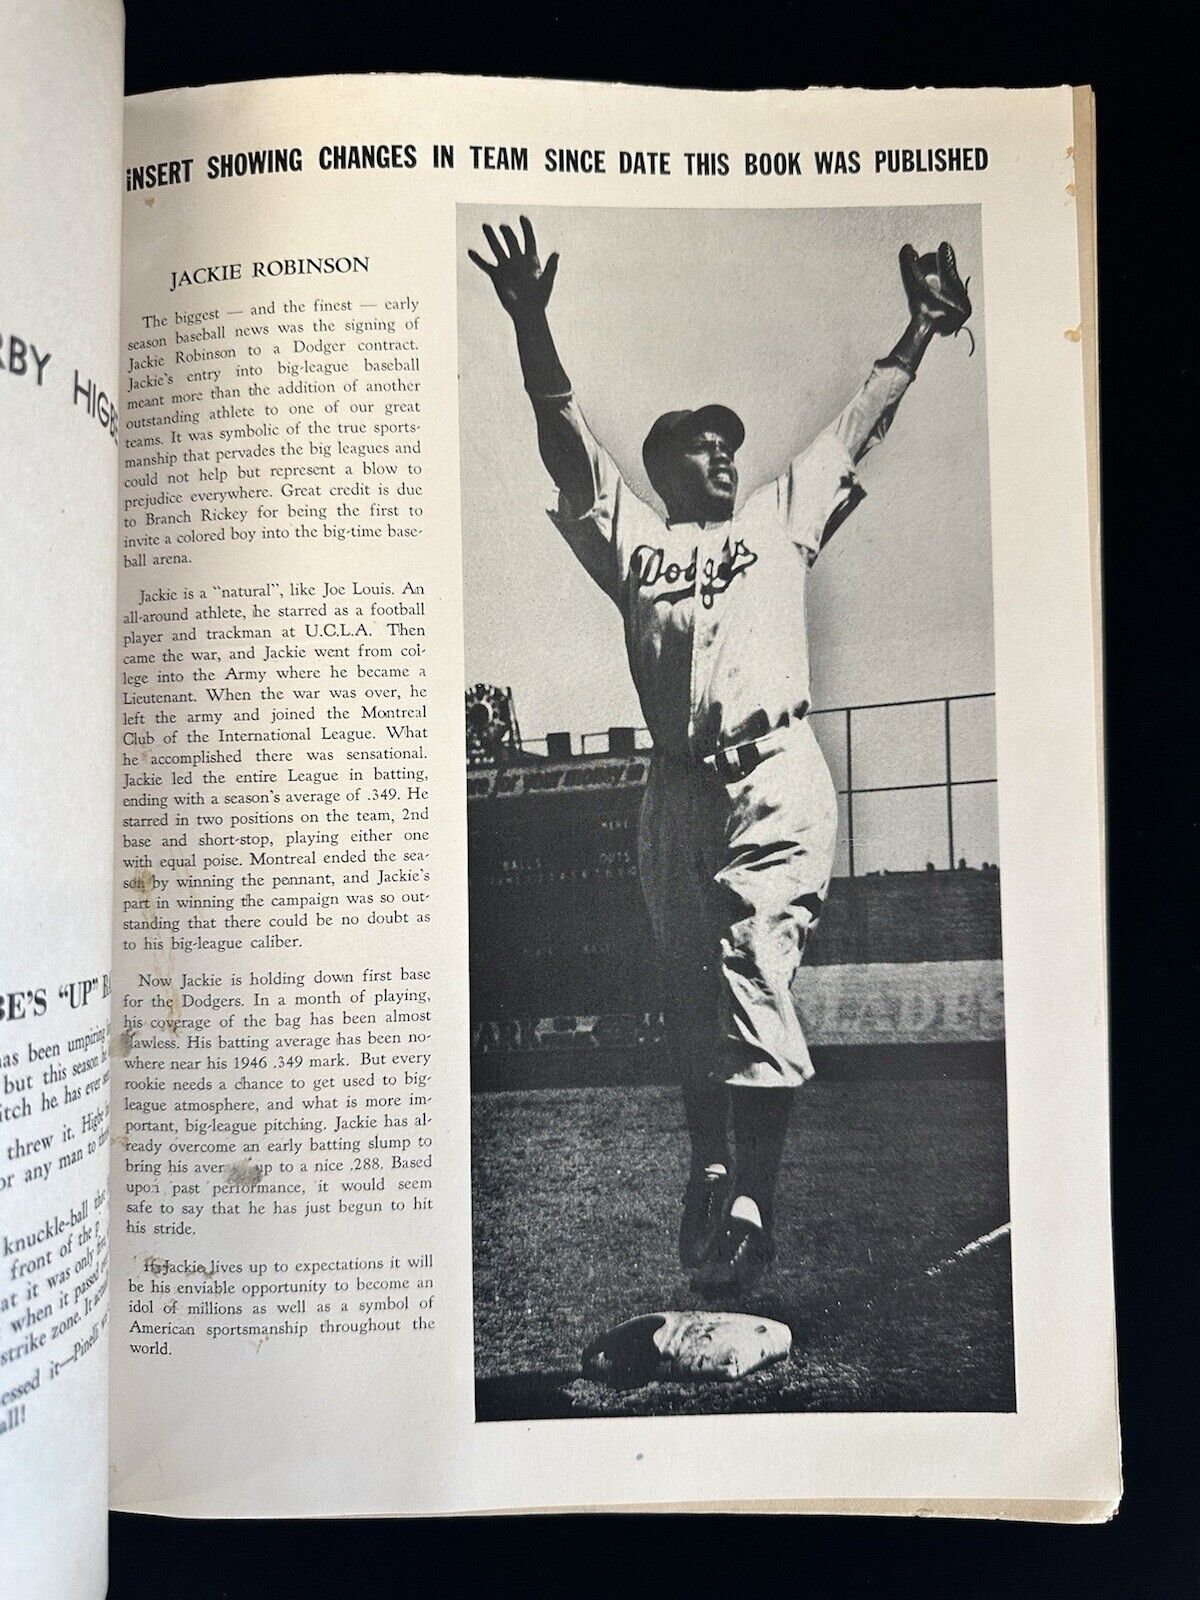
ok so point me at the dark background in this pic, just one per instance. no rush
(1147, 184)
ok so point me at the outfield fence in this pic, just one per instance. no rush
(932, 746)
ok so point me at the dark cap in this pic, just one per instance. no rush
(672, 424)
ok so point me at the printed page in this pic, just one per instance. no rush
(611, 994)
(60, 157)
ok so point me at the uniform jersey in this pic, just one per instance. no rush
(714, 613)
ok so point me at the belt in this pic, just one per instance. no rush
(738, 761)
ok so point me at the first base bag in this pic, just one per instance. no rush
(686, 1347)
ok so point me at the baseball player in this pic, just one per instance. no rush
(739, 820)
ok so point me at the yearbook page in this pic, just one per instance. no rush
(60, 153)
(609, 953)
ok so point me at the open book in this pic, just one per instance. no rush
(389, 1006)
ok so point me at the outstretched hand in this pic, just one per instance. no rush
(521, 282)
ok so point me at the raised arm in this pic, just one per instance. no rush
(938, 304)
(523, 286)
(820, 488)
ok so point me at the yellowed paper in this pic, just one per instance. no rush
(60, 107)
(292, 1196)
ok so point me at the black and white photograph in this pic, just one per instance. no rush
(737, 1021)
(593, 804)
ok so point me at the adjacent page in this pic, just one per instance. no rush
(60, 152)
(406, 997)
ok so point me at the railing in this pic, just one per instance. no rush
(948, 781)
(597, 743)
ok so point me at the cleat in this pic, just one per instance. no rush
(704, 1202)
(738, 1256)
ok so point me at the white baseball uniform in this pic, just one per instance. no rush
(739, 820)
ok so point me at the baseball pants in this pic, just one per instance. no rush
(734, 875)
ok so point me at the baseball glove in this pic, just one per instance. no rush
(935, 290)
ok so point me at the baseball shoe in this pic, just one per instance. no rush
(704, 1202)
(738, 1255)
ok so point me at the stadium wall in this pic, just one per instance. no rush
(561, 955)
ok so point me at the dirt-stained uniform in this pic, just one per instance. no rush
(739, 820)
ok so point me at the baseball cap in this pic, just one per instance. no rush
(672, 424)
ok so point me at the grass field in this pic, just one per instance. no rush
(576, 1202)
